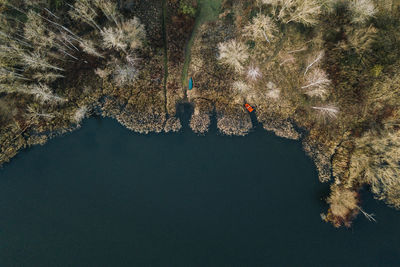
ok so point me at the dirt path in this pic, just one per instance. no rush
(208, 11)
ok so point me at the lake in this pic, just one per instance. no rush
(104, 196)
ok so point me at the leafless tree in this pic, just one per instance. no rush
(35, 112)
(113, 38)
(35, 60)
(130, 36)
(327, 111)
(43, 93)
(233, 54)
(109, 9)
(317, 84)
(301, 11)
(125, 74)
(7, 75)
(241, 87)
(287, 58)
(314, 60)
(35, 31)
(362, 10)
(253, 73)
(261, 28)
(273, 93)
(134, 33)
(370, 216)
(82, 11)
(89, 48)
(47, 77)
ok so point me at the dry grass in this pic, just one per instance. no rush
(343, 205)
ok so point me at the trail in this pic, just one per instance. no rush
(208, 10)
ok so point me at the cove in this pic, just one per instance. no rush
(104, 196)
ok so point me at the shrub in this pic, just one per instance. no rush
(187, 8)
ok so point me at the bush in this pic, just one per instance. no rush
(186, 7)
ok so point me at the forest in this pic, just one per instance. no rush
(326, 72)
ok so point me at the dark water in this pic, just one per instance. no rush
(103, 196)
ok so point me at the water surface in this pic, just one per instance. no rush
(104, 196)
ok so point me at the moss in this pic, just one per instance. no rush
(376, 70)
(188, 8)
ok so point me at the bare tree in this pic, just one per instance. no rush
(233, 54)
(328, 6)
(130, 36)
(34, 112)
(286, 58)
(301, 11)
(134, 32)
(47, 77)
(273, 93)
(306, 11)
(69, 40)
(43, 93)
(327, 111)
(241, 87)
(82, 11)
(132, 59)
(362, 10)
(36, 61)
(314, 60)
(40, 91)
(261, 28)
(370, 216)
(89, 48)
(7, 75)
(35, 31)
(254, 73)
(269, 2)
(113, 38)
(125, 74)
(317, 84)
(109, 9)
